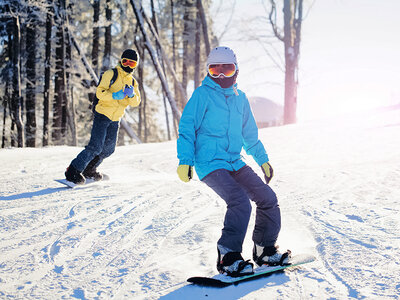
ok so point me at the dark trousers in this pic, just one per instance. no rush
(237, 188)
(102, 142)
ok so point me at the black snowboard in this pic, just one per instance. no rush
(224, 280)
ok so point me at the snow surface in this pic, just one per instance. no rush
(143, 233)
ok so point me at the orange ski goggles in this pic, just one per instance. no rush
(228, 70)
(125, 62)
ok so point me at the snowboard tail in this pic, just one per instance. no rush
(222, 280)
(72, 185)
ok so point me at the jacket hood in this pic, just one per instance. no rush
(211, 83)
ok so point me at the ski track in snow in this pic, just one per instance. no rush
(143, 233)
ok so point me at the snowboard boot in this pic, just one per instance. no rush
(233, 264)
(73, 175)
(270, 256)
(90, 170)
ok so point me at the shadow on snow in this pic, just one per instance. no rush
(192, 291)
(32, 194)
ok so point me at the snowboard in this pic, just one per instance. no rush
(87, 182)
(222, 280)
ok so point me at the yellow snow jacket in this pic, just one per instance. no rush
(115, 109)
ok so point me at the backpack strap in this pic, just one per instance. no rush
(115, 76)
(113, 79)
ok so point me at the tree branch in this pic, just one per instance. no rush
(272, 20)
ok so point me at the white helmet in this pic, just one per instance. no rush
(221, 55)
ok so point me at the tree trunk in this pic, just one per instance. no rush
(8, 79)
(6, 102)
(154, 21)
(70, 106)
(16, 95)
(186, 36)
(130, 131)
(95, 49)
(96, 36)
(3, 138)
(149, 47)
(47, 61)
(292, 29)
(60, 79)
(142, 126)
(164, 56)
(31, 80)
(204, 25)
(176, 89)
(107, 37)
(197, 52)
(71, 118)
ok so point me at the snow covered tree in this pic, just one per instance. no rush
(47, 72)
(30, 99)
(45, 86)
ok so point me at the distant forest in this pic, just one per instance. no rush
(54, 51)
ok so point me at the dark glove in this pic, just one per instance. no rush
(118, 95)
(268, 171)
(129, 91)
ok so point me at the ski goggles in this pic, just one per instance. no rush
(125, 62)
(215, 70)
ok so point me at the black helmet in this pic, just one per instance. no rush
(129, 54)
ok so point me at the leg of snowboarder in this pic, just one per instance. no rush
(236, 188)
(268, 218)
(100, 131)
(237, 216)
(108, 149)
(90, 171)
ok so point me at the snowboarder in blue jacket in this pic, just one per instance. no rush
(216, 124)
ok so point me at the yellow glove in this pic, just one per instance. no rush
(268, 171)
(185, 172)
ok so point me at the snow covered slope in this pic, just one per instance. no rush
(143, 233)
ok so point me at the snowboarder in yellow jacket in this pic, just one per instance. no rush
(117, 89)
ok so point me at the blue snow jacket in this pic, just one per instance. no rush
(215, 124)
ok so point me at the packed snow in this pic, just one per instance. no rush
(144, 232)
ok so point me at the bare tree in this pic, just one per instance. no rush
(142, 126)
(96, 36)
(69, 109)
(293, 14)
(200, 8)
(187, 38)
(7, 79)
(30, 100)
(60, 97)
(46, 91)
(155, 24)
(55, 64)
(107, 36)
(140, 15)
(197, 51)
(16, 100)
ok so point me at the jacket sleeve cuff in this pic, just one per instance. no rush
(262, 160)
(186, 162)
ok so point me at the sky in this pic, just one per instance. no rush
(349, 58)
